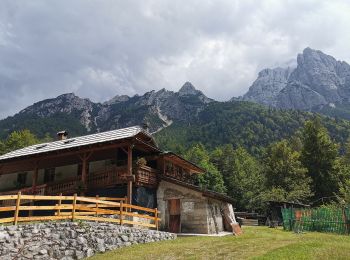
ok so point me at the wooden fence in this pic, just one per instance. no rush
(97, 208)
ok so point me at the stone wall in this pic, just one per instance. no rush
(215, 219)
(70, 240)
(199, 214)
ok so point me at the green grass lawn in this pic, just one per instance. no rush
(255, 243)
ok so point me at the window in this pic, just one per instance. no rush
(22, 179)
(49, 175)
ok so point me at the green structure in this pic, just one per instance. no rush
(335, 220)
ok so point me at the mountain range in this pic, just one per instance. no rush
(158, 109)
(285, 98)
(318, 83)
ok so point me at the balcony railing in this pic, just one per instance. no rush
(69, 186)
(107, 178)
(144, 176)
(181, 176)
(40, 190)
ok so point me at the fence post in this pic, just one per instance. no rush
(74, 206)
(290, 220)
(97, 197)
(345, 220)
(121, 212)
(156, 218)
(59, 205)
(18, 204)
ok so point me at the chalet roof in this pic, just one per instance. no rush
(189, 165)
(205, 193)
(86, 140)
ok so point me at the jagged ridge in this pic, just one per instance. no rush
(157, 108)
(318, 80)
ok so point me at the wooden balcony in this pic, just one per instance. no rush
(107, 178)
(144, 176)
(181, 176)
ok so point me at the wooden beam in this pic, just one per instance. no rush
(124, 150)
(18, 203)
(84, 171)
(35, 177)
(129, 188)
(34, 183)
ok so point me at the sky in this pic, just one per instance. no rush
(102, 48)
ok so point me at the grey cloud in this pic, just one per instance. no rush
(99, 49)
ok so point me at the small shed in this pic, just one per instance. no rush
(185, 208)
(274, 211)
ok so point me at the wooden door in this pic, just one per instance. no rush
(174, 215)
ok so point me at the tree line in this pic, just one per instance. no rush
(305, 168)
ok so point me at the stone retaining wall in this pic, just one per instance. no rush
(70, 240)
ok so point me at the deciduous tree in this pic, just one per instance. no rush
(286, 178)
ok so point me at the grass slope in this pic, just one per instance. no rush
(255, 243)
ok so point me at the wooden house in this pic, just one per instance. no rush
(120, 163)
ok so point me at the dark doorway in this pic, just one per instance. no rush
(174, 215)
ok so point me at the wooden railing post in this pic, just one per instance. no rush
(121, 212)
(97, 197)
(74, 206)
(59, 205)
(156, 218)
(18, 204)
(126, 201)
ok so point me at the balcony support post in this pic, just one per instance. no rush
(129, 188)
(34, 184)
(83, 175)
(35, 177)
(84, 160)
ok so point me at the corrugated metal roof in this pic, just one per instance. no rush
(75, 142)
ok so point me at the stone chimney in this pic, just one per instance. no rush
(62, 135)
(145, 126)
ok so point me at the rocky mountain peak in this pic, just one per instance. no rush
(268, 85)
(67, 96)
(117, 99)
(319, 79)
(188, 89)
(312, 59)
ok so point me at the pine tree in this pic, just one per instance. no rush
(2, 148)
(319, 156)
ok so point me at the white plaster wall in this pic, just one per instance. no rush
(41, 176)
(8, 181)
(66, 172)
(97, 166)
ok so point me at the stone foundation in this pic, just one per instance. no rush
(70, 240)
